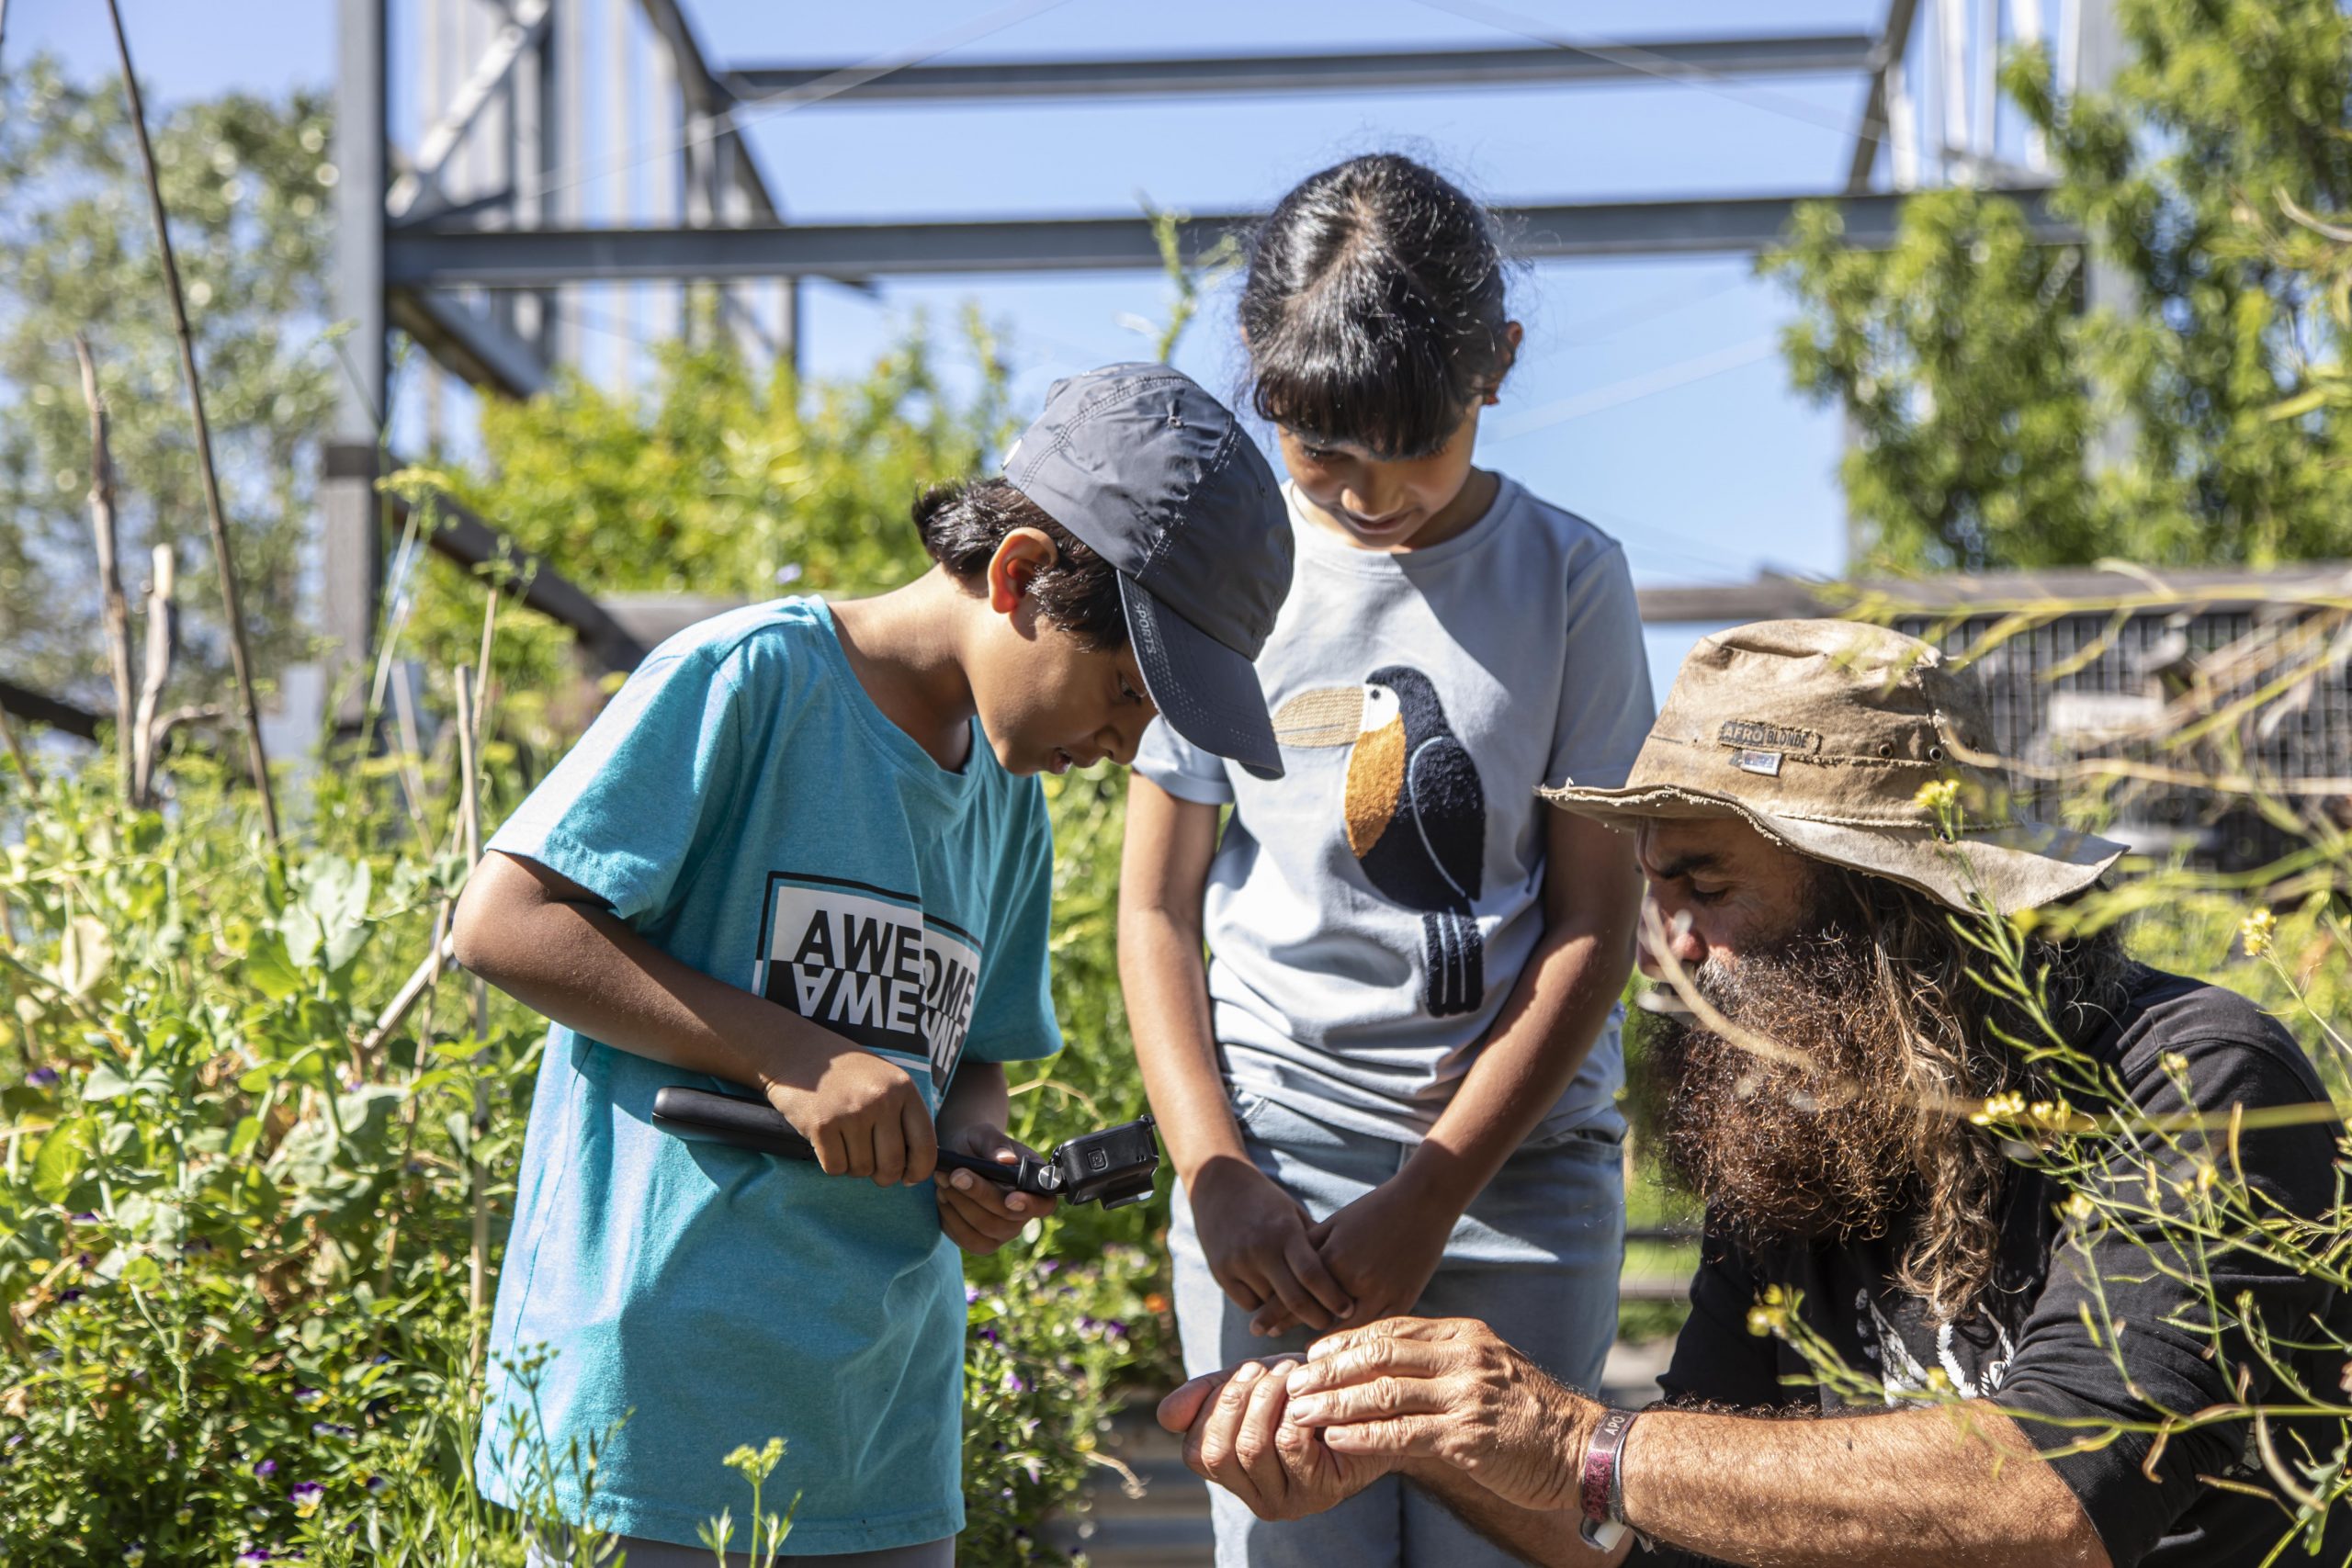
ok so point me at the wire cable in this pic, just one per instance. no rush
(1634, 58)
(701, 129)
(1682, 373)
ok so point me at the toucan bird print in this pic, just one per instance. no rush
(1416, 814)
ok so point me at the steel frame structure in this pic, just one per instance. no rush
(479, 244)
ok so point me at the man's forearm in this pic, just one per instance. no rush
(1544, 1539)
(1957, 1487)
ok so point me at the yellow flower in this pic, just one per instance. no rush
(1938, 795)
(2255, 933)
(2079, 1209)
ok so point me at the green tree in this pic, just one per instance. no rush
(1977, 385)
(247, 181)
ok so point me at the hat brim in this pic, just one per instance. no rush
(2022, 866)
(1206, 692)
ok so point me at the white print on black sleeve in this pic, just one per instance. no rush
(870, 965)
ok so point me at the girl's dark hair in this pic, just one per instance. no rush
(1374, 306)
(962, 524)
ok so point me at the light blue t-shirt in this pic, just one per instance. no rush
(1369, 913)
(744, 805)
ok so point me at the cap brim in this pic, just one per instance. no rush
(2022, 866)
(1206, 692)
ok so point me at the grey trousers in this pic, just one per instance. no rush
(645, 1553)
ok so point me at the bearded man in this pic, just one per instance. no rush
(2016, 1310)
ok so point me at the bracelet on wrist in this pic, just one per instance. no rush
(1601, 1491)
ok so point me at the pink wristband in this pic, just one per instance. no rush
(1599, 1495)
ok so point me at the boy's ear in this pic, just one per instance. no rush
(1328, 715)
(1019, 557)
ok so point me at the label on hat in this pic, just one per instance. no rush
(1765, 762)
(1754, 735)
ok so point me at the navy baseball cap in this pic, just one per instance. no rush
(1159, 479)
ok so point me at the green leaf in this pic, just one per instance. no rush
(269, 968)
(103, 1084)
(63, 1154)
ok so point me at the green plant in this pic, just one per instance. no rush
(2195, 414)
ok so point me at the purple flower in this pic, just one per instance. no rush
(86, 1217)
(41, 1077)
(306, 1497)
(306, 1397)
(971, 1295)
(331, 1429)
(380, 1360)
(248, 1559)
(1047, 1267)
(266, 1469)
(1012, 1384)
(375, 1484)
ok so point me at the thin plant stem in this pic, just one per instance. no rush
(103, 530)
(231, 607)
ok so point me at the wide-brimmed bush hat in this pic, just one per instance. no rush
(1820, 735)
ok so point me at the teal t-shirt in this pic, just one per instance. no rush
(744, 805)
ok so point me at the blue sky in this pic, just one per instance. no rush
(1647, 396)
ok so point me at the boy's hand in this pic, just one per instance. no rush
(1383, 1248)
(977, 1214)
(864, 1116)
(1255, 1239)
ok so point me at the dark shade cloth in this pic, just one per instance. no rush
(2029, 1350)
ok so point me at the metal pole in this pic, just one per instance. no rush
(620, 197)
(352, 553)
(2099, 55)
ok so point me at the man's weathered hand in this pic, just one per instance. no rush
(1236, 1436)
(1447, 1388)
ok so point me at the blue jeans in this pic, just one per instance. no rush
(1536, 1258)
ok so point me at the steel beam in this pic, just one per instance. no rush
(469, 343)
(30, 705)
(959, 81)
(423, 182)
(431, 258)
(1772, 597)
(470, 542)
(1887, 55)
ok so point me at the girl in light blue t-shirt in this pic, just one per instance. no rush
(1389, 1090)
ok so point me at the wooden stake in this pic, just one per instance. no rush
(469, 819)
(146, 738)
(232, 609)
(117, 607)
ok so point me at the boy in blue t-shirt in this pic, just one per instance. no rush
(801, 851)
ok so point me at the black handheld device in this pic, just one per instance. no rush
(1113, 1168)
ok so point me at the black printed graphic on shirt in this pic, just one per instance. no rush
(868, 964)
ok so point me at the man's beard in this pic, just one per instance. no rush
(1834, 1150)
